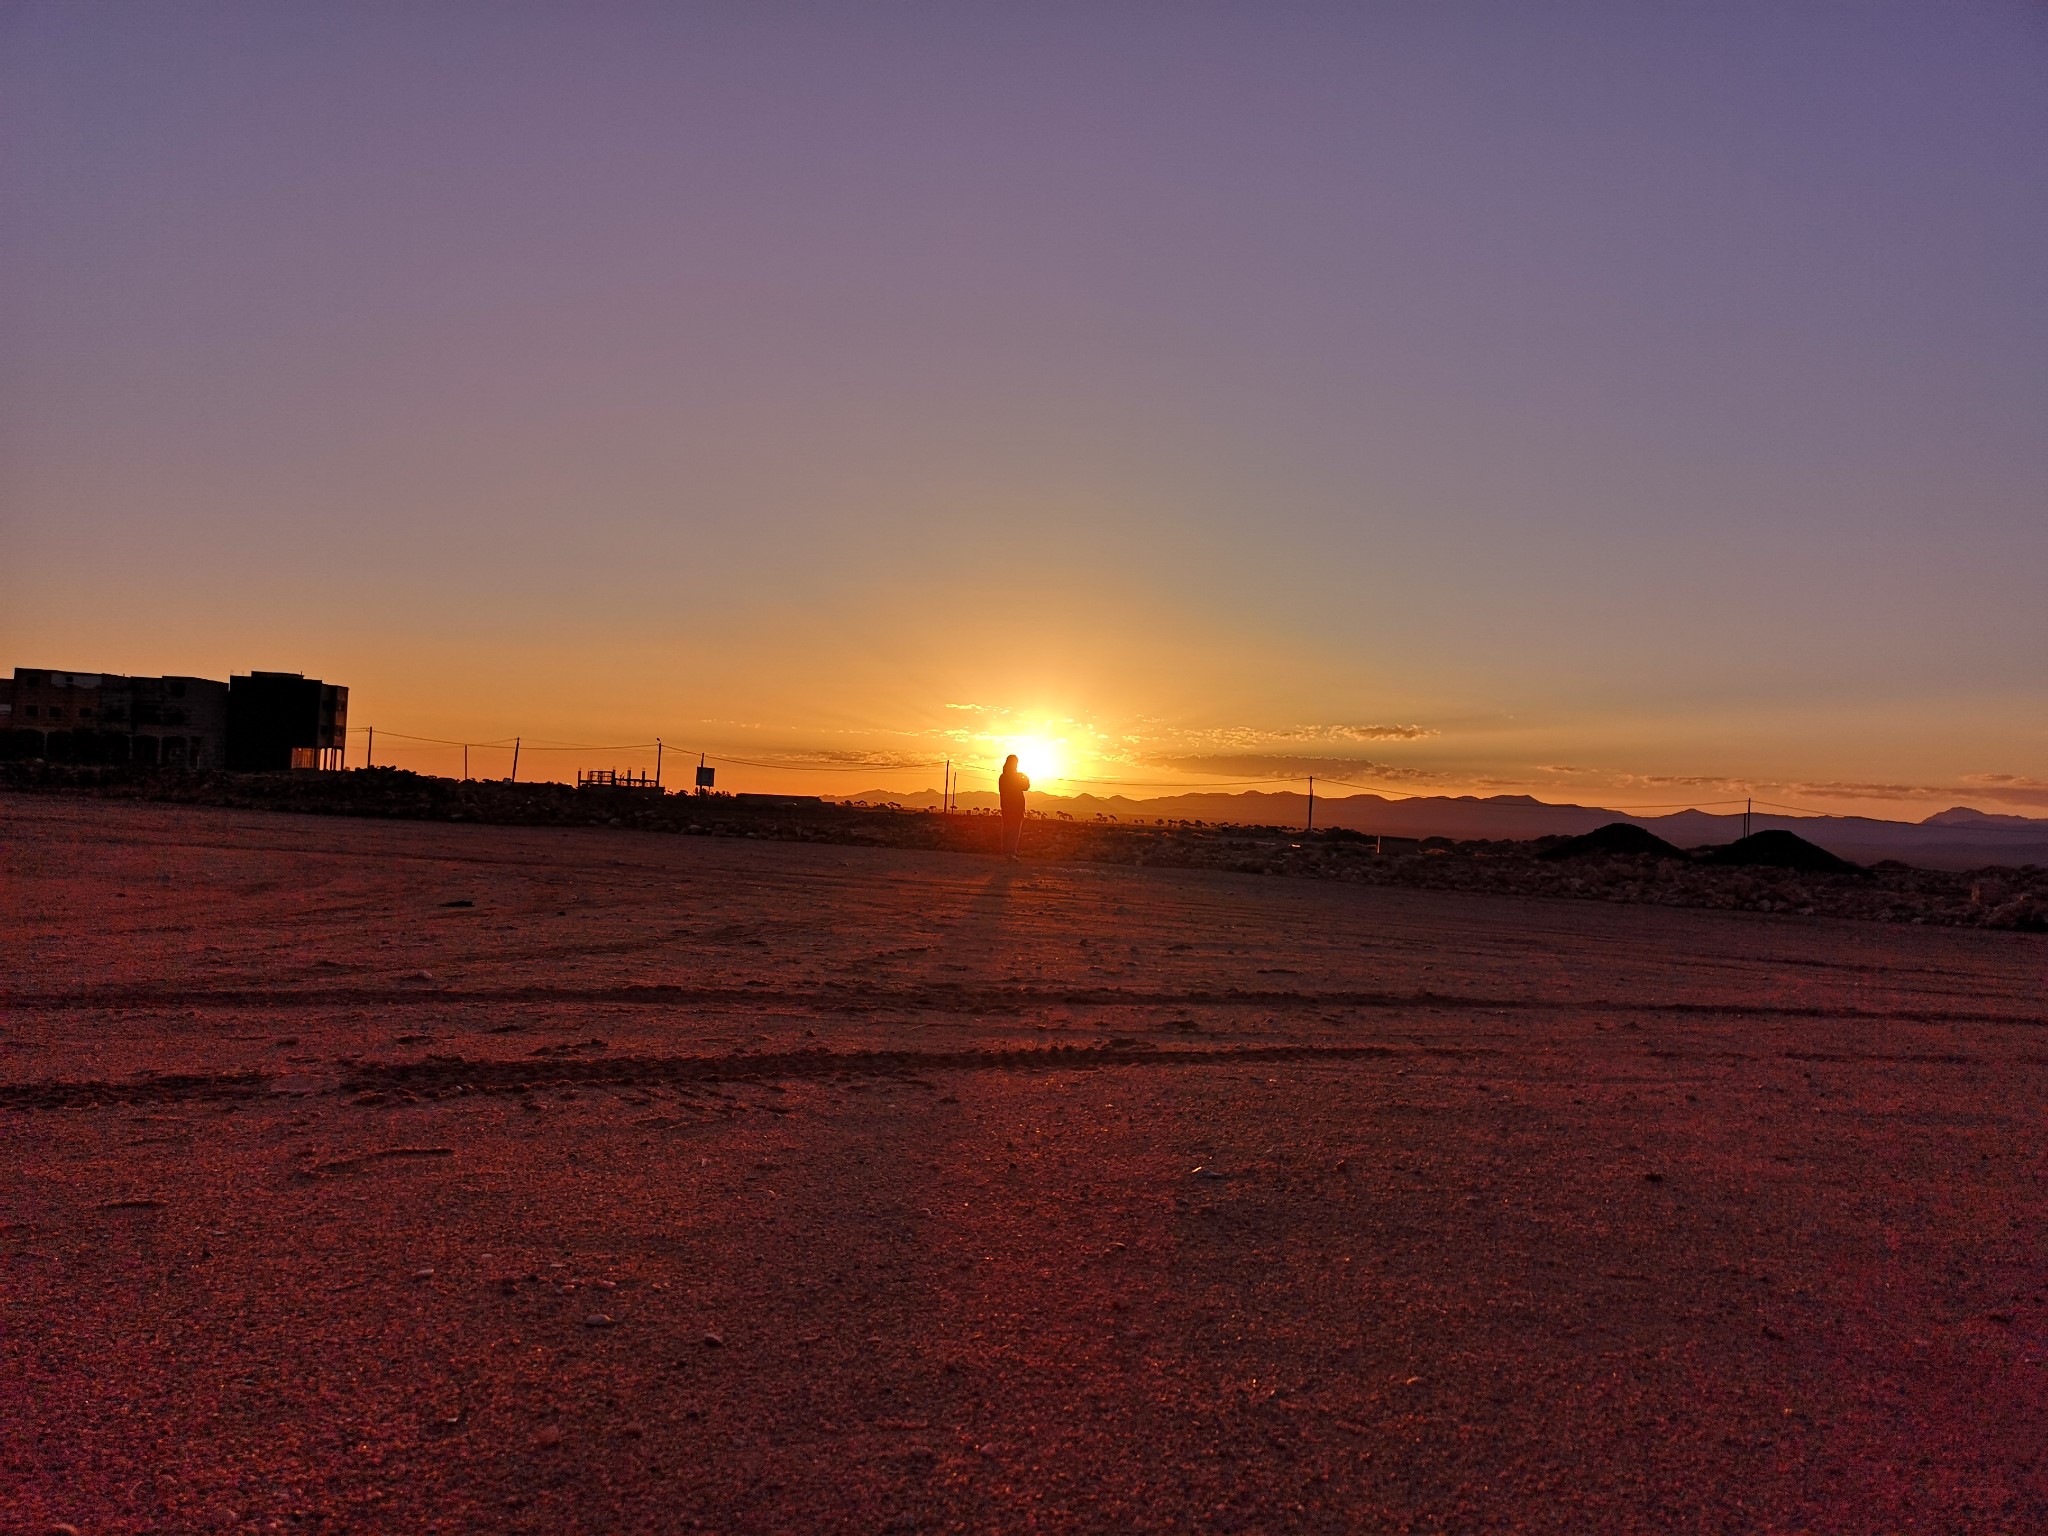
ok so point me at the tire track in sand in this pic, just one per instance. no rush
(951, 998)
(439, 1075)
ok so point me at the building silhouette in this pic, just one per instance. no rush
(285, 720)
(265, 720)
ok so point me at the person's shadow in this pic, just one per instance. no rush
(977, 936)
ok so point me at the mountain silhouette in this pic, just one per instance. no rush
(1616, 837)
(1779, 850)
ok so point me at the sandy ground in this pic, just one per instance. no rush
(376, 1176)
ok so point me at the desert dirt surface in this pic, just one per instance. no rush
(377, 1176)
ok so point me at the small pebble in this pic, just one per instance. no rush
(714, 1341)
(423, 1274)
(550, 1434)
(598, 1320)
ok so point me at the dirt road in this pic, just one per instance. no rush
(380, 1176)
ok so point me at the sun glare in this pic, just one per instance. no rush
(1042, 760)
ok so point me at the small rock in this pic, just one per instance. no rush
(423, 1274)
(634, 1431)
(598, 1320)
(550, 1434)
(713, 1341)
(1653, 1178)
(61, 1529)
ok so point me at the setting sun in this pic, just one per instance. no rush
(1042, 759)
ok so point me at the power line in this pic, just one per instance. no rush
(504, 741)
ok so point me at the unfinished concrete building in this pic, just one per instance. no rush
(253, 723)
(109, 718)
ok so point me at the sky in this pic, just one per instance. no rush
(1624, 404)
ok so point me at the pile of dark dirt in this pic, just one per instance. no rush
(1779, 850)
(1616, 838)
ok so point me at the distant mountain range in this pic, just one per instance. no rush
(1963, 816)
(1958, 838)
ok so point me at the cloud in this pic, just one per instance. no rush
(1247, 737)
(1288, 766)
(2010, 788)
(1375, 732)
(1682, 781)
(1834, 789)
(2013, 788)
(826, 759)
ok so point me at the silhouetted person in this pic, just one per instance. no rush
(1012, 786)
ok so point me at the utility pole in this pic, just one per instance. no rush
(465, 762)
(946, 788)
(515, 759)
(370, 750)
(1746, 806)
(657, 762)
(1311, 803)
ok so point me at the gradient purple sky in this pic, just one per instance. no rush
(1640, 402)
